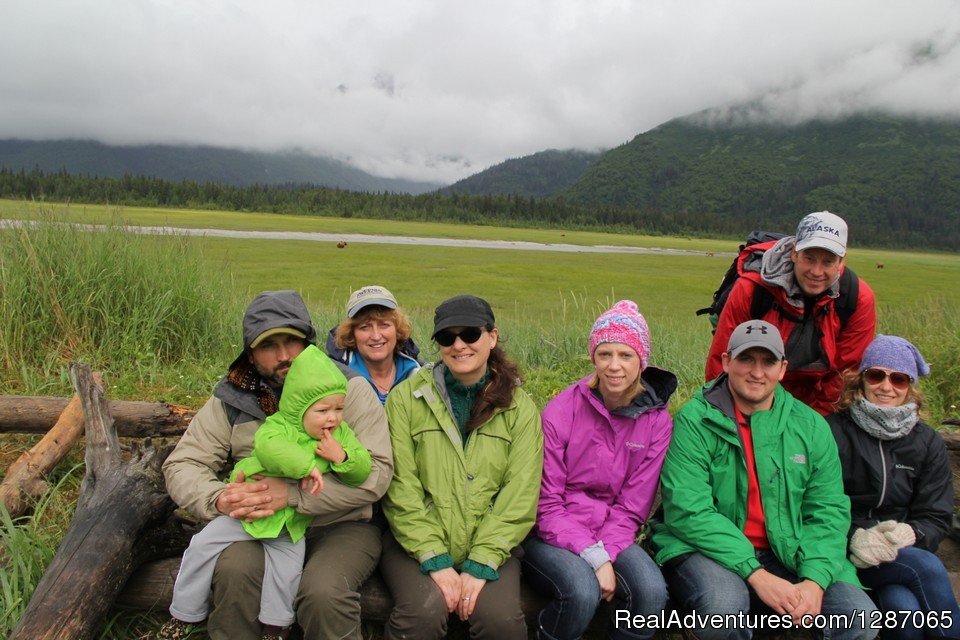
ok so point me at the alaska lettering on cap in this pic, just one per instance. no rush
(822, 230)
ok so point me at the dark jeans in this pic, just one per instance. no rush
(572, 584)
(700, 585)
(915, 581)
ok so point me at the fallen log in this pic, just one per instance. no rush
(34, 414)
(119, 499)
(24, 482)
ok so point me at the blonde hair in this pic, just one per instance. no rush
(345, 339)
(852, 393)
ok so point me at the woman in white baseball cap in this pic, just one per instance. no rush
(374, 340)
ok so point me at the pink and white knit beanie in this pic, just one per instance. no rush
(623, 323)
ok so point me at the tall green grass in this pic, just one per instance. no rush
(934, 326)
(129, 305)
(27, 545)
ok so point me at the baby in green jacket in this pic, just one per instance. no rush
(303, 440)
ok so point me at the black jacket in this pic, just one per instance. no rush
(908, 479)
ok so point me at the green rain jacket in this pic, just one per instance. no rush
(281, 447)
(704, 488)
(474, 502)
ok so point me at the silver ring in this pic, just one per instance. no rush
(465, 598)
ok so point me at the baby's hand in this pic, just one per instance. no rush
(329, 449)
(314, 480)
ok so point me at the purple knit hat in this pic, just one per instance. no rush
(895, 353)
(624, 323)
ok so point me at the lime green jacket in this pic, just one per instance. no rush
(475, 502)
(281, 447)
(704, 488)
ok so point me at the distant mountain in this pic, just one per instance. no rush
(199, 164)
(886, 175)
(539, 175)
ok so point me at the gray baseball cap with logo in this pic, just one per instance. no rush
(755, 333)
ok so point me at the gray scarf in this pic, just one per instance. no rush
(885, 423)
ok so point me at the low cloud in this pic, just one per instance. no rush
(437, 91)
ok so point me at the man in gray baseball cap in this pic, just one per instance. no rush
(756, 333)
(342, 545)
(753, 503)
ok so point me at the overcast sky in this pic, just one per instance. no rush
(438, 90)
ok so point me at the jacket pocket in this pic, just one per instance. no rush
(432, 453)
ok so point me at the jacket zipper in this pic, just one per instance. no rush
(883, 465)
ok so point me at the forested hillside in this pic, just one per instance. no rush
(198, 164)
(539, 175)
(897, 181)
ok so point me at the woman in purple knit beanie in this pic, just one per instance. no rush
(897, 474)
(604, 440)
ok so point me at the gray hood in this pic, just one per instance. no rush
(272, 309)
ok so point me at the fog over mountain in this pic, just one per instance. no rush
(439, 91)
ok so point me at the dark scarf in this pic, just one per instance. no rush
(244, 376)
(462, 398)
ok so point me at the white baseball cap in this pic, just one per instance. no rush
(823, 230)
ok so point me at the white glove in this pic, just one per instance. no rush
(870, 547)
(902, 535)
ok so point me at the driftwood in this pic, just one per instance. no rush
(118, 500)
(30, 414)
(24, 482)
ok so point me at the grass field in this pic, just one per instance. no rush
(545, 303)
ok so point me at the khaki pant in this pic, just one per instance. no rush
(419, 610)
(340, 557)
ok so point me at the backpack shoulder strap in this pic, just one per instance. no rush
(762, 302)
(846, 303)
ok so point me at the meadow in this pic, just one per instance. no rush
(160, 314)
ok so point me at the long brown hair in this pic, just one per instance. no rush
(504, 378)
(345, 339)
(852, 393)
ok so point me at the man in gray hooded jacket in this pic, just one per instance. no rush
(343, 547)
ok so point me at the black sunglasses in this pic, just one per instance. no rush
(469, 335)
(877, 376)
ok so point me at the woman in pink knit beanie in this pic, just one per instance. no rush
(604, 440)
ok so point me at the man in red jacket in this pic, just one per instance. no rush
(826, 319)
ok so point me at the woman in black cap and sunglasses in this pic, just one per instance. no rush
(468, 452)
(897, 474)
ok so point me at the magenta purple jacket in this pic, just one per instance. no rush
(601, 469)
